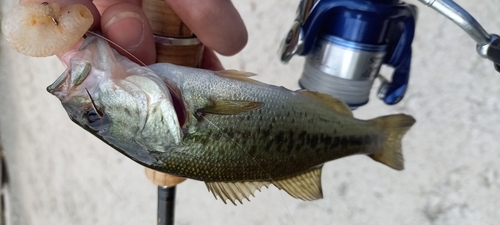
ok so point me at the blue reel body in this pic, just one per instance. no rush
(349, 40)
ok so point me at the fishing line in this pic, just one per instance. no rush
(172, 91)
(118, 46)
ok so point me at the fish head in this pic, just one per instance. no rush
(77, 84)
(124, 104)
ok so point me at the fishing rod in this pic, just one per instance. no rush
(5, 214)
(176, 44)
(346, 42)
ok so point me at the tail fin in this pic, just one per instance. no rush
(394, 127)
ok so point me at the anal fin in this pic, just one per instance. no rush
(305, 186)
(235, 191)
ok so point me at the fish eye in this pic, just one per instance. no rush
(92, 116)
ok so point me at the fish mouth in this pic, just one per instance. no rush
(58, 86)
(79, 72)
(79, 68)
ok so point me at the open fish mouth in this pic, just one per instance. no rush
(93, 63)
(71, 78)
(59, 84)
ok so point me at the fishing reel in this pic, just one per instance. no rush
(346, 42)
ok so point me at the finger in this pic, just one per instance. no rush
(126, 25)
(216, 23)
(210, 60)
(102, 5)
(86, 3)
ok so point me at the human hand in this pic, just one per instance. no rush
(216, 23)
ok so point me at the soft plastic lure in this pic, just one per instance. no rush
(44, 29)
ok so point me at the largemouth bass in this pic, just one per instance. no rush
(234, 133)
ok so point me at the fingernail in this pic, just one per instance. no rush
(126, 29)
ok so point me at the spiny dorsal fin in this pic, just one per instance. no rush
(230, 107)
(305, 186)
(334, 103)
(235, 191)
(238, 75)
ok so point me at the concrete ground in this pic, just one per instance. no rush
(60, 174)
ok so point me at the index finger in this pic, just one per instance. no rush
(216, 23)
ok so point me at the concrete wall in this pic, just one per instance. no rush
(60, 174)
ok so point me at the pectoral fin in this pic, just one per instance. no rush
(235, 191)
(334, 103)
(305, 186)
(230, 107)
(237, 75)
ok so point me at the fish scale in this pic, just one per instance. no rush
(234, 133)
(271, 133)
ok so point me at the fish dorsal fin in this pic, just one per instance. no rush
(305, 186)
(334, 103)
(237, 75)
(235, 191)
(230, 107)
